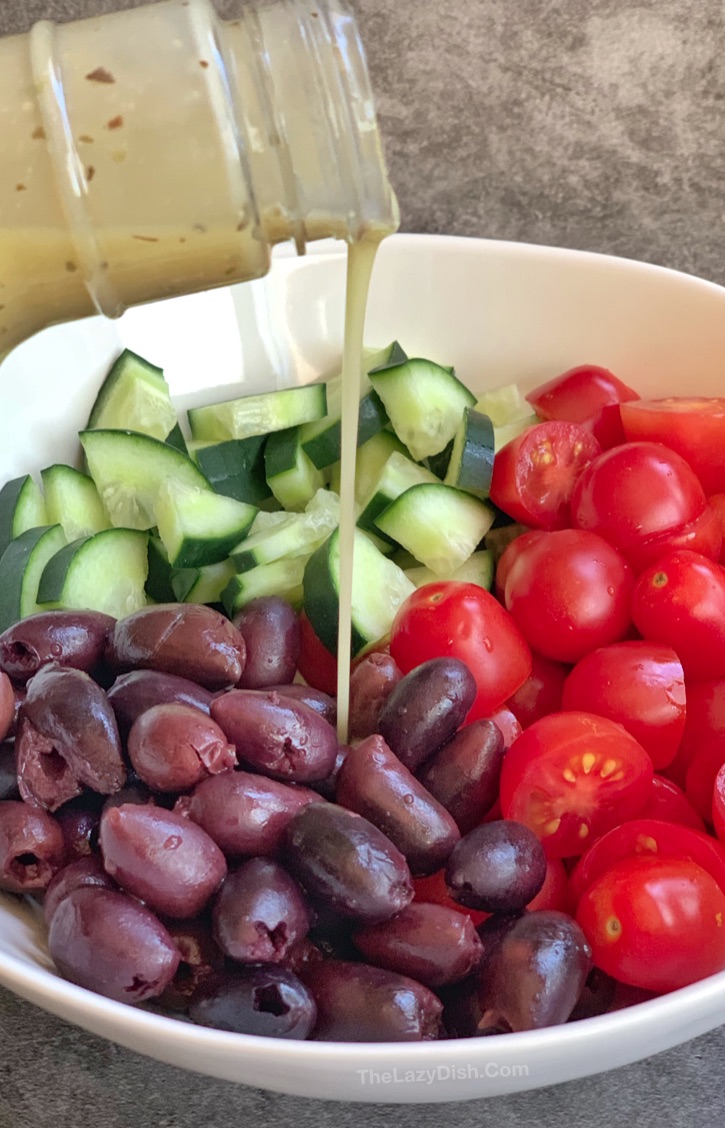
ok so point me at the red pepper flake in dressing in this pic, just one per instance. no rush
(71, 267)
(115, 122)
(203, 63)
(90, 173)
(38, 133)
(21, 187)
(100, 74)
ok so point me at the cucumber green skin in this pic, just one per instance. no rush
(235, 468)
(58, 570)
(175, 438)
(54, 573)
(396, 357)
(116, 370)
(324, 448)
(321, 600)
(475, 466)
(196, 552)
(438, 463)
(13, 563)
(280, 452)
(160, 574)
(9, 495)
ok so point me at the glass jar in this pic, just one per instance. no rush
(162, 150)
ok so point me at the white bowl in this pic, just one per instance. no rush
(499, 312)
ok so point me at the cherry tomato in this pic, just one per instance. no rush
(634, 492)
(651, 837)
(317, 666)
(718, 805)
(716, 502)
(541, 692)
(705, 719)
(701, 775)
(569, 591)
(703, 535)
(511, 553)
(669, 803)
(639, 684)
(657, 923)
(463, 621)
(680, 601)
(553, 893)
(589, 395)
(434, 891)
(571, 777)
(694, 427)
(534, 474)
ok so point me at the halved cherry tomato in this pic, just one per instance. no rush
(718, 805)
(508, 556)
(434, 891)
(693, 426)
(701, 775)
(669, 803)
(657, 923)
(638, 684)
(716, 502)
(534, 474)
(463, 621)
(705, 719)
(589, 395)
(571, 777)
(316, 664)
(703, 535)
(541, 692)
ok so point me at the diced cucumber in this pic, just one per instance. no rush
(202, 585)
(21, 507)
(440, 525)
(21, 566)
(425, 404)
(438, 463)
(321, 441)
(258, 415)
(371, 457)
(379, 588)
(72, 501)
(236, 468)
(299, 535)
(264, 521)
(281, 577)
(103, 572)
(499, 537)
(397, 475)
(159, 587)
(470, 467)
(509, 431)
(175, 438)
(129, 470)
(134, 396)
(503, 405)
(199, 527)
(291, 476)
(478, 569)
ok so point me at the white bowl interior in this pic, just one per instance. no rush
(498, 312)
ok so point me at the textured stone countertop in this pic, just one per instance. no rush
(595, 124)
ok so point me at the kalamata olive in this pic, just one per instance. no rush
(302, 954)
(359, 1003)
(425, 709)
(67, 708)
(79, 826)
(201, 963)
(31, 847)
(167, 861)
(19, 696)
(267, 1001)
(7, 705)
(497, 867)
(245, 814)
(373, 782)
(77, 639)
(326, 787)
(270, 628)
(372, 681)
(173, 747)
(535, 974)
(82, 871)
(321, 702)
(133, 693)
(133, 791)
(108, 943)
(597, 995)
(347, 863)
(430, 943)
(8, 771)
(276, 735)
(186, 639)
(259, 913)
(464, 774)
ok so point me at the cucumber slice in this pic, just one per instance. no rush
(199, 527)
(438, 463)
(504, 405)
(258, 415)
(425, 404)
(159, 586)
(175, 438)
(379, 588)
(134, 395)
(291, 476)
(21, 566)
(299, 535)
(509, 431)
(129, 469)
(371, 457)
(471, 462)
(282, 577)
(202, 585)
(321, 441)
(440, 525)
(21, 507)
(397, 475)
(236, 468)
(103, 572)
(478, 569)
(72, 501)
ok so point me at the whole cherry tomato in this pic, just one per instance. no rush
(589, 395)
(703, 535)
(669, 803)
(693, 426)
(705, 719)
(509, 555)
(317, 666)
(541, 692)
(701, 776)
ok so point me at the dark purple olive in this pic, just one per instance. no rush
(31, 847)
(359, 1003)
(373, 782)
(19, 695)
(372, 681)
(8, 771)
(347, 863)
(302, 954)
(276, 735)
(270, 628)
(7, 706)
(66, 708)
(77, 639)
(108, 943)
(173, 747)
(186, 639)
(597, 995)
(464, 774)
(201, 963)
(326, 787)
(133, 791)
(321, 702)
(167, 861)
(79, 826)
(535, 974)
(267, 1001)
(133, 693)
(430, 943)
(497, 867)
(245, 814)
(81, 872)
(425, 709)
(259, 913)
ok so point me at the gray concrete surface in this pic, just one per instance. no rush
(584, 123)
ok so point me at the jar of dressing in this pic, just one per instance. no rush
(162, 150)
